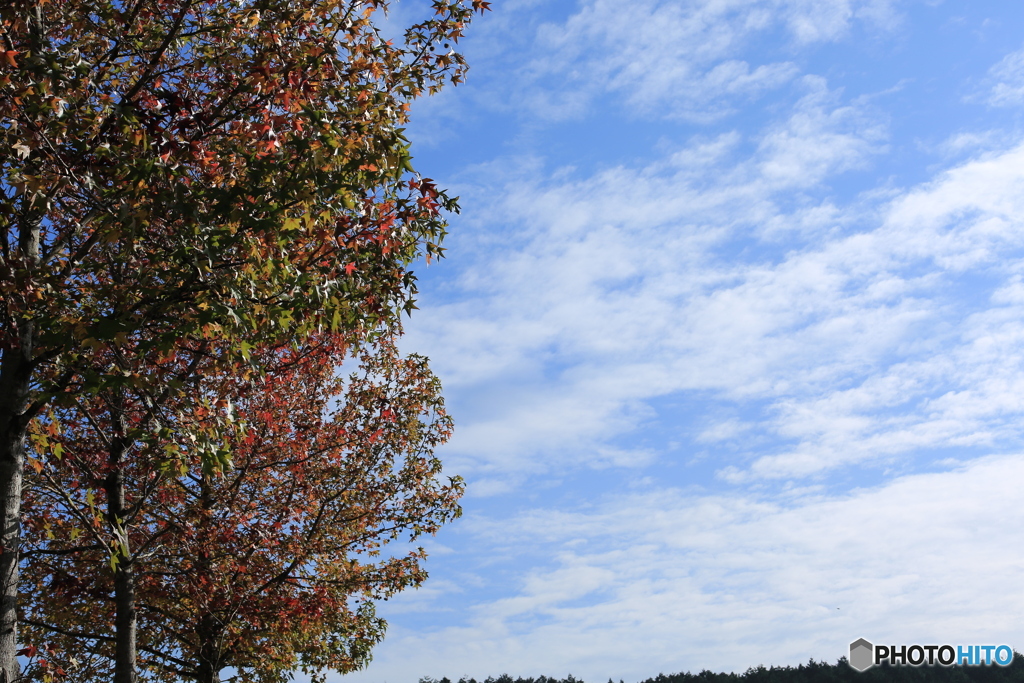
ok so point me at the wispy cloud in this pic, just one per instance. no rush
(749, 396)
(690, 60)
(727, 582)
(1006, 81)
(631, 285)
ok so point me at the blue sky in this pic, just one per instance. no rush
(732, 329)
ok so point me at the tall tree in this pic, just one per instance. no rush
(177, 171)
(255, 566)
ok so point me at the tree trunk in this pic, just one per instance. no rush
(209, 631)
(125, 618)
(209, 668)
(125, 624)
(209, 628)
(15, 382)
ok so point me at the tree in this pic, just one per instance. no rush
(174, 172)
(254, 567)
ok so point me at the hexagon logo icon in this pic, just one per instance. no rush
(862, 654)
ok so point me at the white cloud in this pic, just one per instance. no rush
(1006, 81)
(972, 142)
(688, 60)
(679, 581)
(852, 333)
(618, 277)
(819, 139)
(684, 365)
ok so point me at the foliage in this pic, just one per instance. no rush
(184, 186)
(264, 566)
(208, 169)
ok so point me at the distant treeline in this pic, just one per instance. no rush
(812, 672)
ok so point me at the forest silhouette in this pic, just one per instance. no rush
(812, 672)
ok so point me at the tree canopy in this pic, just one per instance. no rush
(270, 564)
(185, 187)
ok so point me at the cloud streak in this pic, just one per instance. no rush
(727, 582)
(738, 275)
(746, 397)
(696, 60)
